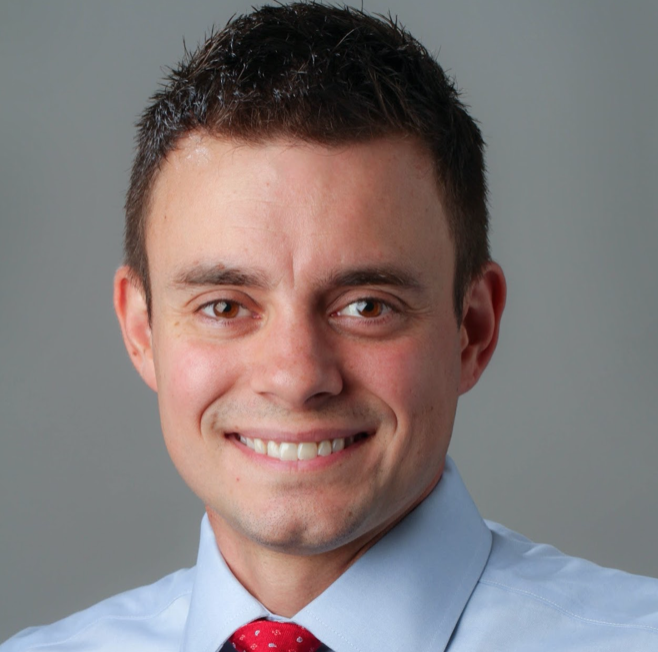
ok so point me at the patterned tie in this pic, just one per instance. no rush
(270, 636)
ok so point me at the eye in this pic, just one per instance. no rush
(224, 309)
(366, 308)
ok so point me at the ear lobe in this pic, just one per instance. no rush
(131, 310)
(483, 308)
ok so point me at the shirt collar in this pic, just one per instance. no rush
(406, 593)
(219, 604)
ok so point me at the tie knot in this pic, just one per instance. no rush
(270, 636)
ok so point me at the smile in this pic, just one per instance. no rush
(305, 450)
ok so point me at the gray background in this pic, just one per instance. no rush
(559, 439)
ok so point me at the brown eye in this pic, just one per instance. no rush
(225, 309)
(369, 308)
(366, 309)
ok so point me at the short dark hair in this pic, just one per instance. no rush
(322, 74)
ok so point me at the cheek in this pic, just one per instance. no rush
(415, 377)
(191, 375)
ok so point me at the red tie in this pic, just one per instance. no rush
(270, 636)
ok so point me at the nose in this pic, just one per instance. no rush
(295, 364)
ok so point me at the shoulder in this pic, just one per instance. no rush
(537, 587)
(147, 618)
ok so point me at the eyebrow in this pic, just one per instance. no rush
(383, 275)
(206, 275)
(217, 275)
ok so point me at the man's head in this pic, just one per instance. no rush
(300, 324)
(322, 75)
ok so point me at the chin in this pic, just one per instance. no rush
(308, 529)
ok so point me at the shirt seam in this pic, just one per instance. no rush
(561, 609)
(338, 634)
(108, 617)
(474, 560)
(440, 628)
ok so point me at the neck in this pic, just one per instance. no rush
(284, 582)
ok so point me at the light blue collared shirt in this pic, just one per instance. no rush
(442, 579)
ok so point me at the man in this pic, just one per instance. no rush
(308, 288)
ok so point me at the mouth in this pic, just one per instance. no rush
(304, 450)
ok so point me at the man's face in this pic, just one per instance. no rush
(302, 305)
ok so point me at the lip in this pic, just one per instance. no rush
(315, 435)
(314, 464)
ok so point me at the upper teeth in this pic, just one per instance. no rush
(289, 452)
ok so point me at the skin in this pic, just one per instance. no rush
(301, 293)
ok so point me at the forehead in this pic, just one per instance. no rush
(378, 199)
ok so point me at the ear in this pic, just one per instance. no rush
(130, 307)
(483, 308)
